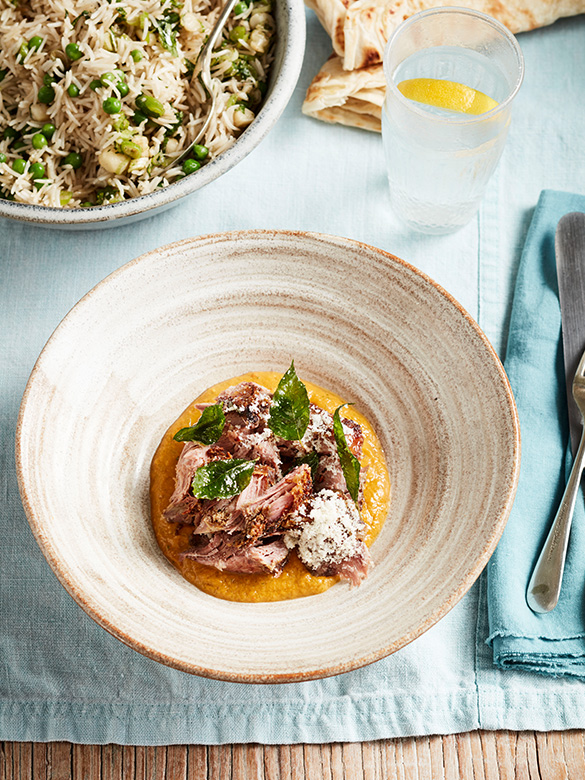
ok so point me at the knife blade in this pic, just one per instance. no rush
(570, 260)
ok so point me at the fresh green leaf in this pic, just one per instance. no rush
(289, 413)
(222, 478)
(349, 463)
(207, 429)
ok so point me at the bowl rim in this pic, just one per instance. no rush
(62, 574)
(279, 94)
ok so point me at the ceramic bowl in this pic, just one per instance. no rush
(289, 52)
(134, 352)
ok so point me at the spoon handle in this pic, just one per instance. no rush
(544, 587)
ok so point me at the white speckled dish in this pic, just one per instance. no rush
(284, 74)
(142, 344)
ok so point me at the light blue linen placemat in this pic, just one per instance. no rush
(64, 678)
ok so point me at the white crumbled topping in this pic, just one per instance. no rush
(259, 437)
(328, 532)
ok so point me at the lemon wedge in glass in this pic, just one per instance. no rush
(447, 94)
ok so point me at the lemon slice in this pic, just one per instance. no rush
(447, 94)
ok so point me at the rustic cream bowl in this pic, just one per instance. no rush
(142, 344)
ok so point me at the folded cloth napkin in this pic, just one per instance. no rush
(554, 643)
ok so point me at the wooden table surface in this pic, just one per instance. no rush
(479, 755)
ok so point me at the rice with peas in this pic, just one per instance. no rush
(97, 96)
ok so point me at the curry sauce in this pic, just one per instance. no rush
(295, 580)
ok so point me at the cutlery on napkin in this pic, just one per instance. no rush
(552, 643)
(545, 583)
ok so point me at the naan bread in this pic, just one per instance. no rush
(359, 29)
(351, 98)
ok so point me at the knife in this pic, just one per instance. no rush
(570, 256)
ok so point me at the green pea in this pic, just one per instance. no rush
(119, 74)
(122, 88)
(149, 105)
(37, 170)
(19, 165)
(239, 33)
(108, 78)
(112, 105)
(10, 133)
(48, 130)
(48, 79)
(240, 8)
(18, 144)
(190, 166)
(74, 159)
(39, 141)
(22, 51)
(73, 51)
(95, 84)
(3, 158)
(200, 152)
(35, 42)
(136, 55)
(46, 95)
(73, 90)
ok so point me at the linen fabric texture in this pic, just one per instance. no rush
(62, 677)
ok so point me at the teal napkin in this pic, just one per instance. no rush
(553, 643)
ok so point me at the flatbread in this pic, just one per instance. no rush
(359, 29)
(352, 98)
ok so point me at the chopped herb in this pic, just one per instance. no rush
(166, 28)
(289, 413)
(207, 429)
(349, 463)
(222, 478)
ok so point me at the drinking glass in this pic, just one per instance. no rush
(439, 161)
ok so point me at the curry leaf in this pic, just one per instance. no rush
(222, 478)
(289, 413)
(207, 429)
(349, 463)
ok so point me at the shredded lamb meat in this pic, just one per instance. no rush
(255, 530)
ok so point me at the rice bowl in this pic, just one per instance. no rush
(103, 128)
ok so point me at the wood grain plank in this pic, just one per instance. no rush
(273, 762)
(60, 760)
(475, 756)
(312, 756)
(176, 762)
(297, 763)
(337, 768)
(372, 760)
(86, 762)
(506, 753)
(40, 767)
(448, 746)
(574, 749)
(197, 762)
(150, 763)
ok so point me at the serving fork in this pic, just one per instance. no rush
(203, 71)
(545, 584)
